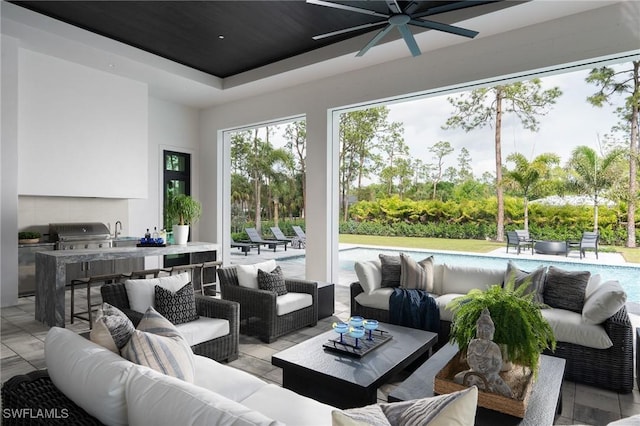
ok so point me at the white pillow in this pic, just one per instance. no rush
(248, 274)
(594, 282)
(89, 374)
(369, 274)
(142, 293)
(156, 399)
(603, 302)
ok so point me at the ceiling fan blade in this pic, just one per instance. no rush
(452, 6)
(394, 6)
(349, 8)
(346, 30)
(409, 39)
(444, 27)
(375, 40)
(411, 7)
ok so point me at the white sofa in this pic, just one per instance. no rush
(598, 352)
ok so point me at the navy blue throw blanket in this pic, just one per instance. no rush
(414, 308)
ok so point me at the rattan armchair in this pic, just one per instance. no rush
(221, 348)
(258, 307)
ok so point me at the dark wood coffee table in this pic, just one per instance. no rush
(342, 380)
(544, 403)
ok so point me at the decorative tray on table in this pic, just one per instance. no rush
(151, 245)
(364, 346)
(151, 242)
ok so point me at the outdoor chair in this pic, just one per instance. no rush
(255, 237)
(589, 241)
(279, 235)
(259, 308)
(220, 348)
(244, 246)
(519, 239)
(302, 237)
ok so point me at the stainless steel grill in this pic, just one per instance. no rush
(70, 236)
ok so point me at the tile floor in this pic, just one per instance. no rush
(22, 350)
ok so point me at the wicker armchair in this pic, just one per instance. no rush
(258, 307)
(221, 348)
(35, 391)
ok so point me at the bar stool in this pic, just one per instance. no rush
(194, 270)
(145, 273)
(88, 282)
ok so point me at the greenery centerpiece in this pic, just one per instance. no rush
(519, 324)
(184, 210)
(25, 237)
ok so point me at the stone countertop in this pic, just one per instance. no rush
(83, 255)
(34, 245)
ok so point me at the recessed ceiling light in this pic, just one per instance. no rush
(221, 37)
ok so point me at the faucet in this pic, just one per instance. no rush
(115, 229)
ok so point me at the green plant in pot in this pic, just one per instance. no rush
(28, 236)
(183, 210)
(520, 327)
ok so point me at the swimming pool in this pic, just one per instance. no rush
(628, 276)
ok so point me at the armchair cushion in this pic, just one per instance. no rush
(203, 329)
(179, 306)
(568, 327)
(291, 302)
(248, 274)
(141, 293)
(272, 281)
(112, 328)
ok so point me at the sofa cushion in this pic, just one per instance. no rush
(390, 267)
(231, 382)
(248, 274)
(378, 299)
(369, 273)
(289, 407)
(157, 399)
(142, 293)
(534, 280)
(568, 327)
(89, 374)
(158, 344)
(179, 306)
(272, 281)
(443, 301)
(370, 415)
(291, 302)
(461, 279)
(603, 302)
(565, 289)
(416, 274)
(112, 328)
(203, 329)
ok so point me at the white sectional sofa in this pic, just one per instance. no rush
(598, 350)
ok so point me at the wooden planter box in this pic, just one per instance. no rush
(518, 378)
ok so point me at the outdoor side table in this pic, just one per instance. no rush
(326, 299)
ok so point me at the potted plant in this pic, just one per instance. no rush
(520, 327)
(184, 211)
(28, 237)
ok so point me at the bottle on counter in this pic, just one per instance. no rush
(147, 234)
(155, 234)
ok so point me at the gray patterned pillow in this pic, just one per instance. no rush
(391, 270)
(565, 289)
(272, 281)
(112, 329)
(178, 307)
(534, 279)
(416, 274)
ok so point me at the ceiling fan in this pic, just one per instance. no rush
(401, 19)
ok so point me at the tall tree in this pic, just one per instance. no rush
(465, 172)
(296, 135)
(591, 174)
(623, 81)
(393, 149)
(528, 178)
(440, 150)
(486, 106)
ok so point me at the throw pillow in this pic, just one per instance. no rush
(248, 274)
(565, 289)
(158, 344)
(178, 307)
(456, 408)
(272, 281)
(391, 270)
(416, 274)
(142, 293)
(607, 299)
(534, 280)
(112, 329)
(369, 273)
(370, 415)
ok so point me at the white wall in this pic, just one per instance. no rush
(82, 132)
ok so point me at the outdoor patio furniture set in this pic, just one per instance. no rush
(521, 239)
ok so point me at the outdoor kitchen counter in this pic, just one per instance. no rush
(51, 271)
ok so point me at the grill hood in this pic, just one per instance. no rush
(83, 231)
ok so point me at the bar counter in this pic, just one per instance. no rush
(51, 271)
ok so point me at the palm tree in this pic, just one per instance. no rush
(591, 174)
(528, 178)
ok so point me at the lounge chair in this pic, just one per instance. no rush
(302, 237)
(255, 237)
(589, 241)
(519, 239)
(244, 246)
(279, 235)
